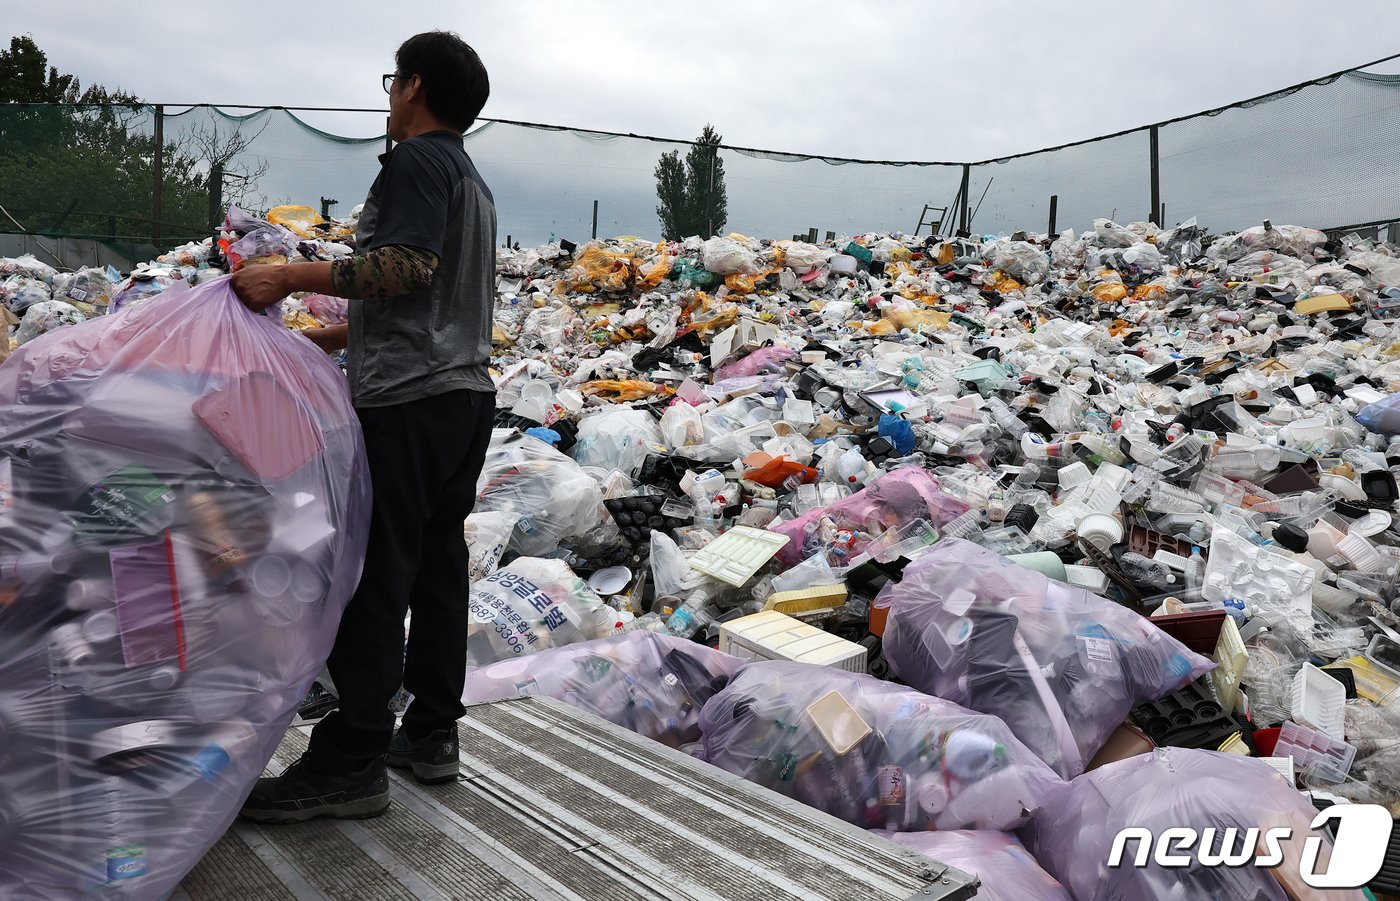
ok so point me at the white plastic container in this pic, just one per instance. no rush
(843, 264)
(775, 636)
(1319, 701)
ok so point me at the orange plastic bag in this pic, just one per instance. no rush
(623, 390)
(772, 472)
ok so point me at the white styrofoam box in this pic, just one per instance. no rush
(775, 636)
(1319, 701)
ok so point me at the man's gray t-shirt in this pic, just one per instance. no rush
(437, 339)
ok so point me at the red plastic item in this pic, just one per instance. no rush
(1265, 739)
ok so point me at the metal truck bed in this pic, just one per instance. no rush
(556, 803)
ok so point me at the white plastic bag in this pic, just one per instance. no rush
(725, 256)
(531, 604)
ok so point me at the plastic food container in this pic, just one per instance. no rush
(1319, 701)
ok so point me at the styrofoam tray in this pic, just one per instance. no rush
(738, 554)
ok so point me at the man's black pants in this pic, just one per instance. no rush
(424, 460)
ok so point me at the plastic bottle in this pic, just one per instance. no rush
(1028, 477)
(1195, 570)
(1143, 569)
(963, 525)
(1008, 421)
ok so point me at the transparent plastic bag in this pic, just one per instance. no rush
(616, 438)
(1170, 788)
(1061, 666)
(725, 256)
(487, 534)
(654, 685)
(45, 316)
(553, 498)
(1007, 870)
(870, 752)
(530, 605)
(188, 519)
(681, 426)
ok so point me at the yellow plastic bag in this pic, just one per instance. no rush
(597, 269)
(300, 220)
(300, 320)
(1005, 283)
(1109, 292)
(652, 275)
(746, 284)
(918, 320)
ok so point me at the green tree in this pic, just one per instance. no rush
(693, 198)
(89, 168)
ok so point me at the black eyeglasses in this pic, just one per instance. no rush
(389, 82)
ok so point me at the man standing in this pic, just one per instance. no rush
(421, 288)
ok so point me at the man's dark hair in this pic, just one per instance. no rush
(455, 85)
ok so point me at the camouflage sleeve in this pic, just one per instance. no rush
(384, 273)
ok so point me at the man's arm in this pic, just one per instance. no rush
(382, 274)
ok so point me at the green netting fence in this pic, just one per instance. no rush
(1325, 153)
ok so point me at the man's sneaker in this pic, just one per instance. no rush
(301, 794)
(432, 759)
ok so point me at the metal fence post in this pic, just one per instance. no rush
(1054, 206)
(962, 192)
(1156, 175)
(159, 173)
(595, 220)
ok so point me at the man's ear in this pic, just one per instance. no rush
(414, 89)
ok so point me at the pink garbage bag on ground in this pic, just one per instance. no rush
(897, 499)
(1007, 870)
(1173, 788)
(1061, 666)
(184, 505)
(652, 684)
(871, 752)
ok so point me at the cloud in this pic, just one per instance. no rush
(900, 80)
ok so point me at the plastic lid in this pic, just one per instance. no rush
(1292, 537)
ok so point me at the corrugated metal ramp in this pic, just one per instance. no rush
(556, 803)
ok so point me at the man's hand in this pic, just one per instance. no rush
(331, 339)
(260, 286)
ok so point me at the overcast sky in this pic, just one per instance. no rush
(893, 80)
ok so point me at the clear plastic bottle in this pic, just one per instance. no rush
(1008, 421)
(1028, 477)
(1195, 570)
(963, 526)
(1143, 569)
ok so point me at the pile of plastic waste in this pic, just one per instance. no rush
(1126, 494)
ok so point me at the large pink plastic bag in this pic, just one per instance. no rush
(1007, 870)
(1061, 666)
(762, 361)
(897, 499)
(871, 752)
(1171, 788)
(651, 684)
(188, 519)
